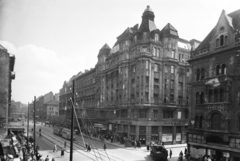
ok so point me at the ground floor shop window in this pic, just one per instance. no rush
(167, 135)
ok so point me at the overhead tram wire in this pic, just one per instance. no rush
(94, 129)
(80, 130)
(91, 126)
(88, 134)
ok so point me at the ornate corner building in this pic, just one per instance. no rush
(214, 128)
(138, 88)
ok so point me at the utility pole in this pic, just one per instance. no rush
(71, 145)
(28, 125)
(34, 126)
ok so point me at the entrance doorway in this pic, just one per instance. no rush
(219, 155)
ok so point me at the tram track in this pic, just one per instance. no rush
(98, 155)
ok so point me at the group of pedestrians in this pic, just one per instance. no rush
(136, 143)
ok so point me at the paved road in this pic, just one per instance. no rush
(127, 154)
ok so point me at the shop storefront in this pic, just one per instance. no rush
(178, 136)
(132, 135)
(167, 135)
(155, 135)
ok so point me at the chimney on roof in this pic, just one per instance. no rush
(86, 70)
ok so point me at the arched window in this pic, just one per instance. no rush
(215, 95)
(197, 98)
(202, 73)
(198, 74)
(200, 122)
(224, 69)
(221, 99)
(225, 39)
(210, 96)
(218, 70)
(215, 121)
(217, 43)
(221, 40)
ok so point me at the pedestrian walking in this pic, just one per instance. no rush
(89, 147)
(55, 148)
(86, 145)
(62, 152)
(65, 144)
(47, 159)
(185, 151)
(104, 146)
(170, 153)
(148, 147)
(53, 159)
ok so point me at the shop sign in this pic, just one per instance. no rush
(172, 123)
(225, 154)
(98, 125)
(167, 137)
(5, 142)
(125, 122)
(178, 137)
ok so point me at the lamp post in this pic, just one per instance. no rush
(34, 126)
(71, 143)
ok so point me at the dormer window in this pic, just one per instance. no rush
(156, 38)
(135, 38)
(144, 36)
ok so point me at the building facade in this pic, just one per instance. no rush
(7, 62)
(51, 108)
(214, 127)
(138, 88)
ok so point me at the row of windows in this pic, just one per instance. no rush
(215, 122)
(216, 95)
(221, 69)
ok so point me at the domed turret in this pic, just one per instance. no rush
(147, 24)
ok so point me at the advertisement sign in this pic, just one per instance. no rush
(110, 127)
(167, 137)
(226, 154)
(178, 137)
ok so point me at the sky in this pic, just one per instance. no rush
(53, 40)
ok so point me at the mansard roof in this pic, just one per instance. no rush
(233, 20)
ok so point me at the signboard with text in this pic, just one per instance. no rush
(167, 137)
(178, 137)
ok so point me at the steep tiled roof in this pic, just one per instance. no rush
(105, 46)
(233, 20)
(205, 42)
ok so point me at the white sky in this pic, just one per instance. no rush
(55, 39)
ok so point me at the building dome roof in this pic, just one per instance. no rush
(148, 9)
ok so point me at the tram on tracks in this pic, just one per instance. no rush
(64, 132)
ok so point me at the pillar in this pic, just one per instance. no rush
(137, 132)
(148, 134)
(174, 134)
